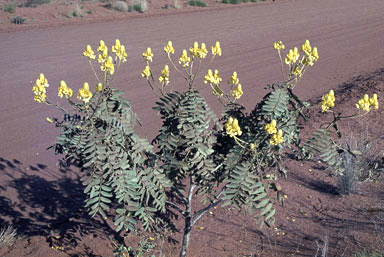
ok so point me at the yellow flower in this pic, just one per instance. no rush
(49, 120)
(311, 57)
(63, 90)
(237, 93)
(84, 93)
(169, 48)
(365, 103)
(217, 78)
(277, 138)
(121, 54)
(216, 49)
(42, 80)
(39, 89)
(103, 56)
(373, 101)
(232, 127)
(212, 78)
(116, 47)
(271, 127)
(148, 55)
(252, 146)
(315, 54)
(328, 101)
(108, 66)
(102, 46)
(194, 51)
(164, 77)
(146, 72)
(184, 58)
(208, 78)
(306, 47)
(292, 56)
(99, 87)
(89, 52)
(234, 80)
(217, 91)
(278, 45)
(202, 53)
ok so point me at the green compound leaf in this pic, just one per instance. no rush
(321, 144)
(276, 103)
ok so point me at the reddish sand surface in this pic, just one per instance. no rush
(41, 199)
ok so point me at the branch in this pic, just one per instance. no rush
(201, 212)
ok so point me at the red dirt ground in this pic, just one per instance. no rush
(41, 199)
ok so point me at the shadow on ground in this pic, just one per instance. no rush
(37, 202)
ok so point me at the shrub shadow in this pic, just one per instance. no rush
(39, 203)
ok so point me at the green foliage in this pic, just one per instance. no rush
(76, 12)
(119, 166)
(11, 8)
(322, 145)
(237, 164)
(197, 3)
(252, 173)
(237, 1)
(18, 20)
(348, 178)
(186, 139)
(120, 6)
(34, 3)
(144, 247)
(141, 6)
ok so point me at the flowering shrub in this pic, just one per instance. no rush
(235, 160)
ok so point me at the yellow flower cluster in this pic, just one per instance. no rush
(328, 101)
(169, 48)
(292, 56)
(212, 78)
(277, 135)
(89, 52)
(234, 80)
(146, 72)
(197, 52)
(63, 90)
(106, 61)
(232, 127)
(39, 89)
(103, 56)
(99, 87)
(102, 46)
(271, 127)
(108, 65)
(278, 45)
(366, 103)
(164, 77)
(311, 55)
(277, 138)
(119, 50)
(148, 55)
(238, 92)
(216, 49)
(84, 93)
(184, 58)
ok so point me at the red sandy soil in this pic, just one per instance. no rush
(42, 200)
